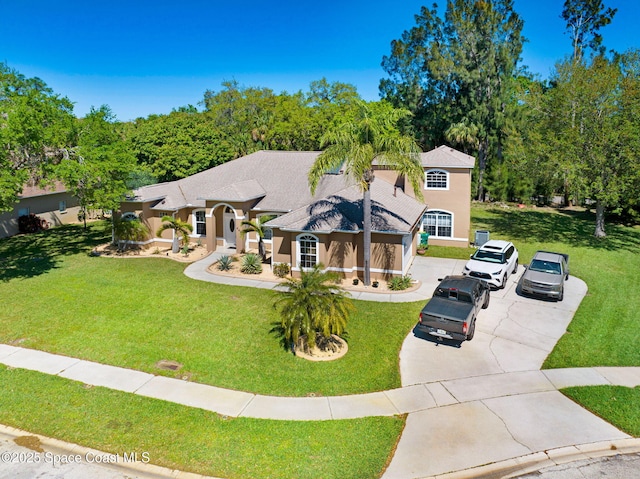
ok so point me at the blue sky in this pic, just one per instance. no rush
(142, 57)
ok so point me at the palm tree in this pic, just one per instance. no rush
(370, 137)
(257, 226)
(125, 230)
(179, 227)
(312, 307)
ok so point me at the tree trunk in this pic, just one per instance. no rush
(175, 246)
(600, 210)
(366, 227)
(482, 165)
(261, 249)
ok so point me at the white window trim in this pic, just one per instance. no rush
(258, 216)
(437, 170)
(298, 255)
(194, 223)
(452, 223)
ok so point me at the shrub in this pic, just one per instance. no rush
(399, 283)
(281, 269)
(31, 223)
(251, 264)
(224, 263)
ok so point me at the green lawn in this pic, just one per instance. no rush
(136, 312)
(192, 439)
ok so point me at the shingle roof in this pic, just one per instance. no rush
(31, 189)
(278, 181)
(279, 177)
(392, 212)
(446, 157)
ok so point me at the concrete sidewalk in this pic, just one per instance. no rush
(426, 270)
(478, 408)
(409, 399)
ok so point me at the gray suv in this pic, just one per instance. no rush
(545, 276)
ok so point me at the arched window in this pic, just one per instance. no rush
(307, 254)
(129, 216)
(268, 232)
(436, 180)
(438, 223)
(200, 222)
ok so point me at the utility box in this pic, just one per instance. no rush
(482, 236)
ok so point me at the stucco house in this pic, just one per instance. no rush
(52, 203)
(324, 228)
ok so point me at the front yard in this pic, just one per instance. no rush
(135, 313)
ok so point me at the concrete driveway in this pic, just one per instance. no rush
(495, 403)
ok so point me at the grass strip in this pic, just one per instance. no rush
(616, 404)
(192, 439)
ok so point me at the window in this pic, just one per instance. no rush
(438, 223)
(23, 212)
(307, 251)
(437, 180)
(62, 206)
(200, 222)
(268, 232)
(129, 217)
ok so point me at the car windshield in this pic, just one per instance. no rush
(488, 256)
(545, 267)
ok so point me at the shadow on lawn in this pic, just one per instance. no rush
(28, 255)
(574, 228)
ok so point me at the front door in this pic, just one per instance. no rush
(229, 220)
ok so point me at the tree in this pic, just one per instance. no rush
(587, 130)
(35, 126)
(243, 115)
(179, 227)
(177, 145)
(371, 137)
(97, 170)
(458, 70)
(257, 226)
(312, 308)
(584, 18)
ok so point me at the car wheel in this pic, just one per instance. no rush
(561, 297)
(515, 268)
(485, 305)
(472, 331)
(504, 281)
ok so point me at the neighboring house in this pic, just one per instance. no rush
(325, 228)
(52, 203)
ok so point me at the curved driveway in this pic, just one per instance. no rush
(475, 408)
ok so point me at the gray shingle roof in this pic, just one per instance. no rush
(392, 212)
(277, 180)
(446, 157)
(279, 177)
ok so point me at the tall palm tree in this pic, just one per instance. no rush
(257, 226)
(179, 227)
(372, 136)
(311, 306)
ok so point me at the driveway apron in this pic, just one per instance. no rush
(505, 406)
